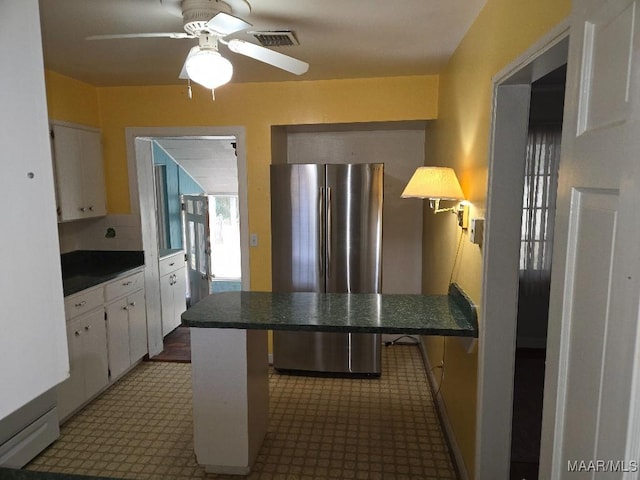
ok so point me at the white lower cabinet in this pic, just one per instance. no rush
(106, 335)
(126, 325)
(173, 291)
(87, 339)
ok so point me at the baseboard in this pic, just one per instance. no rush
(458, 461)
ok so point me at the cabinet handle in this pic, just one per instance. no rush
(126, 307)
(87, 328)
(172, 264)
(77, 333)
(126, 284)
(91, 208)
(83, 209)
(81, 304)
(132, 304)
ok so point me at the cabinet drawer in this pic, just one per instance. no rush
(82, 302)
(123, 286)
(171, 264)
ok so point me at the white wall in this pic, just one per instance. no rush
(401, 151)
(91, 234)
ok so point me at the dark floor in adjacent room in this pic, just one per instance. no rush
(177, 347)
(527, 413)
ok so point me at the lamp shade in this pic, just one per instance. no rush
(435, 183)
(208, 68)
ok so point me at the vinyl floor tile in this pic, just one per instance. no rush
(319, 429)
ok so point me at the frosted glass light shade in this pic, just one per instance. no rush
(208, 68)
(434, 182)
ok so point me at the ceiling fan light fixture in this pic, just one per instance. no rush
(208, 68)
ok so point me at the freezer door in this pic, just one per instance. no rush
(297, 231)
(341, 353)
(354, 228)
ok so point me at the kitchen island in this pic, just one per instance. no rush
(230, 360)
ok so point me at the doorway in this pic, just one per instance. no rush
(497, 346)
(538, 215)
(199, 191)
(142, 191)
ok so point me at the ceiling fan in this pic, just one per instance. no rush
(212, 22)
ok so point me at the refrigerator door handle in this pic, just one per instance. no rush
(328, 236)
(321, 235)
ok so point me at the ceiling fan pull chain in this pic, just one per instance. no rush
(213, 95)
(189, 92)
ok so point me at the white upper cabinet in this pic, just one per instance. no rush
(79, 172)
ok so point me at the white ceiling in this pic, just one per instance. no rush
(338, 38)
(211, 162)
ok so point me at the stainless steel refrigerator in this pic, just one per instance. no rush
(326, 228)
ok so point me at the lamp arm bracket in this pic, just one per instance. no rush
(443, 210)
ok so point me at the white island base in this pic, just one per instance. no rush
(230, 397)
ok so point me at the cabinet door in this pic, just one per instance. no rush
(137, 326)
(67, 154)
(180, 293)
(94, 353)
(79, 172)
(92, 174)
(166, 300)
(70, 393)
(118, 337)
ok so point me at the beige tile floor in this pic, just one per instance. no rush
(320, 428)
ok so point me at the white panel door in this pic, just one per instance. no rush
(590, 411)
(33, 343)
(195, 215)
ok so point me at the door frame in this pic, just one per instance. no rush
(497, 336)
(139, 160)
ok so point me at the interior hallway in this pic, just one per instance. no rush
(320, 428)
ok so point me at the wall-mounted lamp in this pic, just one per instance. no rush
(438, 183)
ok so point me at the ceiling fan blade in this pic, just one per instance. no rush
(225, 24)
(290, 64)
(141, 35)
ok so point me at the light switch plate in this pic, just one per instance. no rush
(476, 231)
(253, 240)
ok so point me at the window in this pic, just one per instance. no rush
(539, 199)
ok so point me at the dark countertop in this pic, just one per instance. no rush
(83, 269)
(450, 315)
(12, 474)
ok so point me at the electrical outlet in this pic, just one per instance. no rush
(476, 232)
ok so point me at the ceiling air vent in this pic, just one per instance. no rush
(276, 38)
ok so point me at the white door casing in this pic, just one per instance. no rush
(590, 412)
(497, 336)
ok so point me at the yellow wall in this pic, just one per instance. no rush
(460, 138)
(256, 106)
(71, 101)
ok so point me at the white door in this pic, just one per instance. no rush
(195, 214)
(590, 422)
